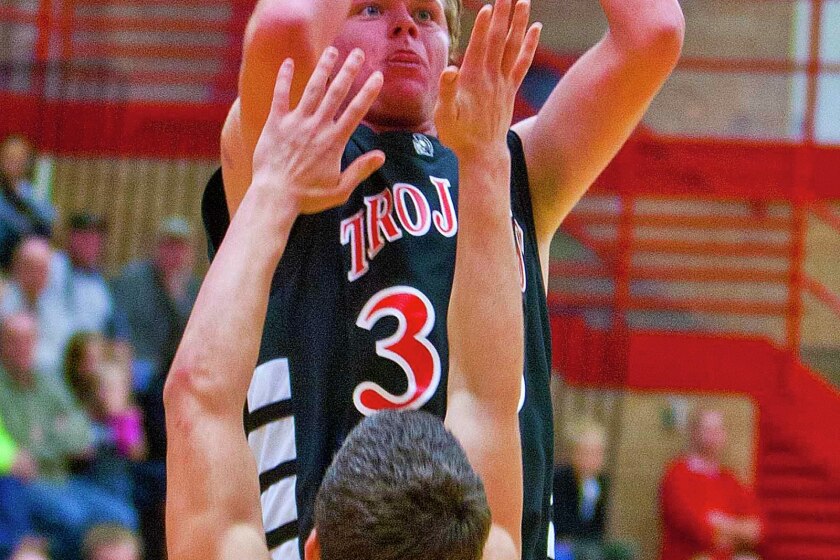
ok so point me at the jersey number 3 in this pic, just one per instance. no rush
(408, 347)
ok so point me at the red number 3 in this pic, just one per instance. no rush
(408, 347)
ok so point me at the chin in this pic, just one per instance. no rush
(404, 106)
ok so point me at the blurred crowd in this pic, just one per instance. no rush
(83, 360)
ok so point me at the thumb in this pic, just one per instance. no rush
(360, 170)
(448, 85)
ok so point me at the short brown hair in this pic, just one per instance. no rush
(401, 488)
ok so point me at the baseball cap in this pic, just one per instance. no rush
(176, 227)
(87, 221)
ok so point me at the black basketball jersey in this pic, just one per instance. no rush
(357, 322)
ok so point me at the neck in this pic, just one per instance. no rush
(706, 457)
(427, 128)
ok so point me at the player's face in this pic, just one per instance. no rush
(408, 41)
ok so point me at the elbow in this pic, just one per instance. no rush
(278, 28)
(665, 38)
(659, 41)
(183, 396)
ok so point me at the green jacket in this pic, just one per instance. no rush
(43, 421)
(8, 451)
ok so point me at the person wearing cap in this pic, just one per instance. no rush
(156, 296)
(79, 281)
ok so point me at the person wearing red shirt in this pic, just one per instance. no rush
(707, 513)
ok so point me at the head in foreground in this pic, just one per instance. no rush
(400, 488)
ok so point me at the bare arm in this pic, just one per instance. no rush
(278, 29)
(213, 491)
(486, 340)
(596, 106)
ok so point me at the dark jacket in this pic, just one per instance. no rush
(568, 523)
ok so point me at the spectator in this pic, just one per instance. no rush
(157, 296)
(16, 466)
(55, 433)
(111, 542)
(33, 290)
(102, 386)
(581, 491)
(707, 513)
(21, 212)
(80, 281)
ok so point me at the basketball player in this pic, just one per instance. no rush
(356, 321)
(400, 486)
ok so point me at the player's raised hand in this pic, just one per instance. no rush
(298, 155)
(476, 102)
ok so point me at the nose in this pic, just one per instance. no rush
(403, 24)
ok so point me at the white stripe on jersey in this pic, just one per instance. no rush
(286, 551)
(271, 383)
(551, 535)
(273, 444)
(279, 505)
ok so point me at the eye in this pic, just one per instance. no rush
(371, 10)
(424, 15)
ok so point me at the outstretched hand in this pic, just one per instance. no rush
(475, 108)
(299, 151)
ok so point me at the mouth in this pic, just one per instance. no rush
(405, 58)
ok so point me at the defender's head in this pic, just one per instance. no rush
(400, 488)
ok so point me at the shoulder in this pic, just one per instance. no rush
(676, 467)
(500, 545)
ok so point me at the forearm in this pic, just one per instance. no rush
(208, 384)
(279, 29)
(485, 311)
(485, 325)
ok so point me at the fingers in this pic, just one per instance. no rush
(359, 106)
(340, 85)
(282, 87)
(362, 168)
(474, 55)
(314, 91)
(448, 85)
(526, 54)
(516, 34)
(498, 32)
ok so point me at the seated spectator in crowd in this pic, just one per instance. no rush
(79, 278)
(32, 290)
(22, 213)
(707, 513)
(101, 384)
(156, 296)
(581, 491)
(55, 433)
(111, 542)
(16, 467)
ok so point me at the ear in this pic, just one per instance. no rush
(312, 548)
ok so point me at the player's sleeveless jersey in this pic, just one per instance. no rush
(357, 322)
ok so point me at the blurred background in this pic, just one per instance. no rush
(701, 270)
